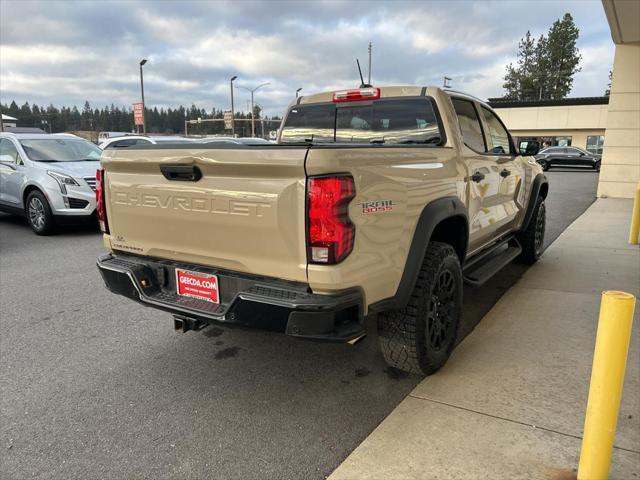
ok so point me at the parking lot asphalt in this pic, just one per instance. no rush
(96, 386)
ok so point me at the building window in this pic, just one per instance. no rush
(595, 144)
(563, 141)
(545, 142)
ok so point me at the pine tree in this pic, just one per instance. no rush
(520, 79)
(563, 56)
(545, 67)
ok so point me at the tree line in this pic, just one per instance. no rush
(120, 119)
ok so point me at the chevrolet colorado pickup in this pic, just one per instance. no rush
(377, 202)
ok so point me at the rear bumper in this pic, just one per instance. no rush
(246, 301)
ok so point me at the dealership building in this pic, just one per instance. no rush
(577, 122)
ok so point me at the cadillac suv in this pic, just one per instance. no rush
(50, 179)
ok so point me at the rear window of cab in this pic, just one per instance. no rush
(386, 121)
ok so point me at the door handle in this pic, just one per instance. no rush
(505, 173)
(181, 173)
(477, 177)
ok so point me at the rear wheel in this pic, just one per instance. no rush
(420, 337)
(39, 213)
(596, 166)
(532, 239)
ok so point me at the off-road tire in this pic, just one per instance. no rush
(38, 213)
(404, 335)
(532, 239)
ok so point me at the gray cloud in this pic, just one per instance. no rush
(68, 52)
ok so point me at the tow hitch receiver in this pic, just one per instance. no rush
(184, 324)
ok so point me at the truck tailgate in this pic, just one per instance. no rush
(246, 213)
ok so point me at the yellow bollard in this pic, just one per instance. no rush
(635, 218)
(607, 377)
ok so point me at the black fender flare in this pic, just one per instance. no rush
(536, 186)
(434, 213)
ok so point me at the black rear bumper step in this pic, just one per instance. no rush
(480, 268)
(246, 301)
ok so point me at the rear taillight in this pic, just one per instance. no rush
(356, 95)
(331, 233)
(101, 208)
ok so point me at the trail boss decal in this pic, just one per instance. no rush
(377, 206)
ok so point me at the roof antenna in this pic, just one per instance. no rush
(362, 84)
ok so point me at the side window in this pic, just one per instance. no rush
(469, 124)
(122, 143)
(142, 141)
(8, 148)
(498, 134)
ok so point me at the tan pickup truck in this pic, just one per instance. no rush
(375, 202)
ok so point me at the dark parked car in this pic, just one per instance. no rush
(567, 157)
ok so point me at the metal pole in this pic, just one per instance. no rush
(233, 117)
(253, 118)
(144, 121)
(369, 81)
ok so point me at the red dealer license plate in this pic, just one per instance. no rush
(197, 285)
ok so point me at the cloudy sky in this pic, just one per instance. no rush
(68, 52)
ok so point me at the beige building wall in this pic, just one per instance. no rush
(569, 117)
(620, 171)
(575, 121)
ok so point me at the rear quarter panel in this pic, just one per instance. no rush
(410, 178)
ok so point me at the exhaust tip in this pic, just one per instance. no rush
(357, 339)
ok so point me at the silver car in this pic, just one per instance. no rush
(51, 179)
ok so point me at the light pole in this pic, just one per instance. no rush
(298, 91)
(185, 123)
(233, 117)
(253, 117)
(144, 121)
(369, 80)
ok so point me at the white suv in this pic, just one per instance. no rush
(50, 179)
(126, 141)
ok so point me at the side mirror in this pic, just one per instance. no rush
(529, 149)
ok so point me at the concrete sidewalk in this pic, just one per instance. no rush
(510, 403)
